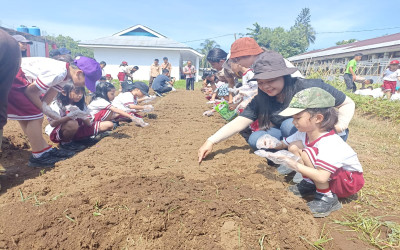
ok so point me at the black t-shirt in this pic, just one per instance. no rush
(251, 111)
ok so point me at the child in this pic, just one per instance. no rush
(122, 71)
(132, 93)
(74, 123)
(221, 89)
(247, 91)
(329, 166)
(390, 77)
(44, 76)
(101, 108)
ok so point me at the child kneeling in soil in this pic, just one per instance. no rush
(329, 166)
(101, 108)
(132, 93)
(73, 123)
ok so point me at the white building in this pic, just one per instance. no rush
(139, 46)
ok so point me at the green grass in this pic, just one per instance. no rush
(378, 233)
(381, 108)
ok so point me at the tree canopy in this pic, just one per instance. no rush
(346, 41)
(69, 43)
(293, 41)
(206, 46)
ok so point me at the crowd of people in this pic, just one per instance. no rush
(299, 123)
(56, 87)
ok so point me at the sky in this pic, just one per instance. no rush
(191, 22)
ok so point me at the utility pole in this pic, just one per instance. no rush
(234, 34)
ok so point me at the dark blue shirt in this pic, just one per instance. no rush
(160, 82)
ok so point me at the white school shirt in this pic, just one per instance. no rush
(328, 152)
(97, 105)
(391, 75)
(123, 100)
(45, 73)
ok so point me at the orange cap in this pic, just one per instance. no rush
(245, 46)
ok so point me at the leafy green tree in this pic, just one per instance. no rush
(69, 43)
(290, 42)
(346, 41)
(206, 46)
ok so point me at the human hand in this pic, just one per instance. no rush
(205, 150)
(148, 108)
(232, 106)
(267, 141)
(208, 112)
(139, 121)
(49, 112)
(78, 114)
(354, 77)
(283, 157)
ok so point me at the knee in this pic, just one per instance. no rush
(254, 137)
(69, 129)
(106, 126)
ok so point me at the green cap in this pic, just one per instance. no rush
(309, 98)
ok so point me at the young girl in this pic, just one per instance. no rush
(329, 166)
(390, 77)
(74, 123)
(44, 76)
(101, 108)
(132, 93)
(122, 71)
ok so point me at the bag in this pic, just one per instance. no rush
(345, 183)
(223, 109)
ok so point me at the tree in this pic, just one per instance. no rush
(206, 46)
(346, 41)
(69, 43)
(304, 19)
(290, 42)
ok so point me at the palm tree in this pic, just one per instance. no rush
(206, 46)
(304, 19)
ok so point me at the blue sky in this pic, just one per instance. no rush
(196, 20)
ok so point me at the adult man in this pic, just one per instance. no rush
(155, 69)
(166, 65)
(350, 73)
(10, 60)
(23, 43)
(160, 84)
(189, 70)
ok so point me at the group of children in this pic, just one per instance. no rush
(329, 168)
(57, 88)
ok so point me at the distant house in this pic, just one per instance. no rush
(378, 52)
(39, 47)
(139, 46)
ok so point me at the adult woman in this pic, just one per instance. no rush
(276, 89)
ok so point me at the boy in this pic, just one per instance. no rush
(160, 84)
(350, 73)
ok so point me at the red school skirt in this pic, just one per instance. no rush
(84, 131)
(389, 85)
(19, 106)
(102, 115)
(345, 183)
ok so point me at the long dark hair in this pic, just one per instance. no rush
(265, 103)
(102, 89)
(63, 100)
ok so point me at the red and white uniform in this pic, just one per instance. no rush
(329, 152)
(123, 100)
(84, 131)
(99, 109)
(45, 73)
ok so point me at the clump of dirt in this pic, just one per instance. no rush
(142, 188)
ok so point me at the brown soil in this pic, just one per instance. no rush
(142, 188)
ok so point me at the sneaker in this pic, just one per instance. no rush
(115, 125)
(323, 205)
(72, 146)
(303, 189)
(282, 169)
(88, 142)
(297, 178)
(61, 153)
(101, 135)
(47, 160)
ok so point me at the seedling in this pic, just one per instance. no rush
(319, 244)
